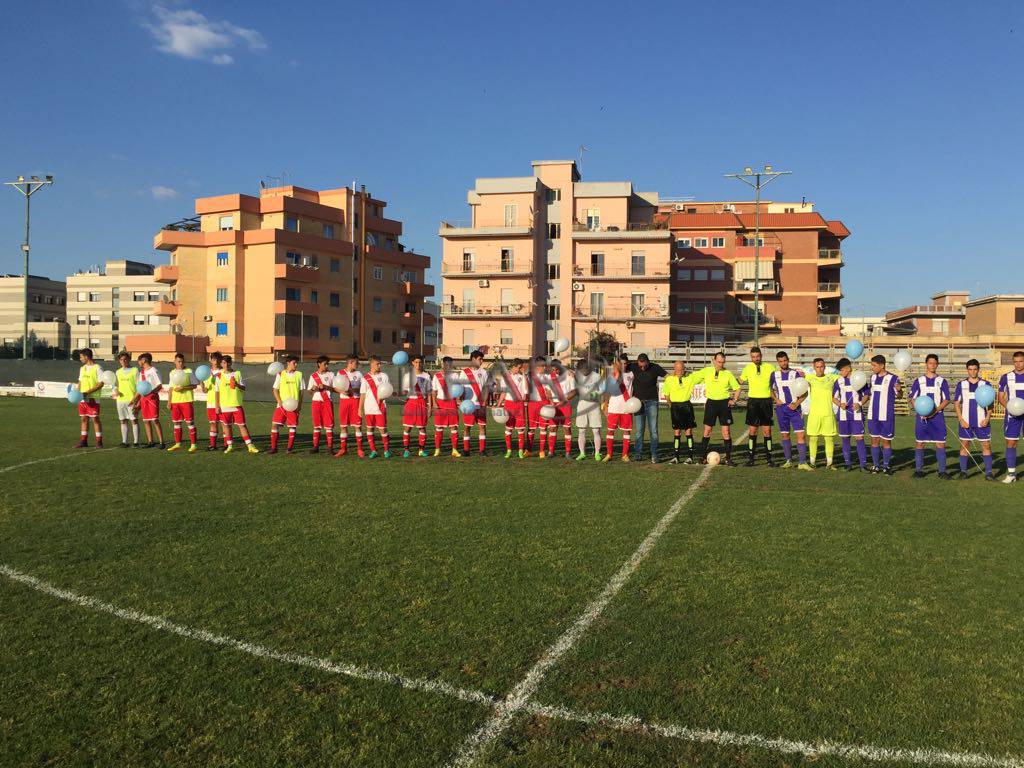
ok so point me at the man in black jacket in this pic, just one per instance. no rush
(645, 388)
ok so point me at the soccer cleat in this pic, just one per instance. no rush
(626, 458)
(523, 454)
(163, 446)
(315, 450)
(749, 462)
(1010, 479)
(730, 463)
(874, 469)
(340, 452)
(175, 447)
(81, 444)
(989, 477)
(771, 463)
(831, 467)
(437, 452)
(654, 459)
(361, 453)
(290, 451)
(606, 457)
(272, 451)
(456, 454)
(542, 455)
(99, 443)
(581, 457)
(806, 467)
(674, 460)
(961, 475)
(886, 471)
(252, 448)
(689, 460)
(787, 464)
(943, 476)
(406, 454)
(211, 447)
(229, 449)
(125, 445)
(387, 454)
(508, 454)
(372, 455)
(918, 474)
(193, 448)
(422, 453)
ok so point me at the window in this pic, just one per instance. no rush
(789, 210)
(940, 326)
(378, 272)
(718, 274)
(222, 259)
(372, 239)
(138, 319)
(505, 334)
(593, 218)
(94, 296)
(683, 307)
(329, 231)
(637, 263)
(222, 294)
(749, 241)
(549, 347)
(227, 223)
(394, 337)
(154, 320)
(637, 302)
(335, 299)
(683, 242)
(718, 242)
(410, 307)
(554, 231)
(314, 297)
(389, 243)
(717, 307)
(377, 337)
(511, 211)
(378, 305)
(554, 311)
(700, 242)
(468, 261)
(81, 342)
(80, 320)
(94, 342)
(507, 260)
(597, 304)
(684, 274)
(409, 277)
(334, 332)
(552, 195)
(293, 257)
(1018, 315)
(83, 296)
(154, 295)
(222, 329)
(293, 294)
(554, 271)
(138, 295)
(335, 265)
(700, 307)
(291, 223)
(394, 306)
(700, 274)
(596, 263)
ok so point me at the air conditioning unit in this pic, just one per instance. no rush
(631, 323)
(679, 207)
(577, 286)
(484, 283)
(729, 207)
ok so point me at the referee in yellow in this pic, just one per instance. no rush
(720, 387)
(676, 390)
(757, 376)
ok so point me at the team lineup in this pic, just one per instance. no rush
(541, 399)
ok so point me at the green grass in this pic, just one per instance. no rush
(807, 606)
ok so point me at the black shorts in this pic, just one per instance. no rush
(717, 411)
(682, 416)
(760, 412)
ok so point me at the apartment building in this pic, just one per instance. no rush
(46, 310)
(946, 315)
(293, 271)
(548, 256)
(797, 272)
(108, 304)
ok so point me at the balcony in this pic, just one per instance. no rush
(478, 269)
(417, 289)
(291, 307)
(306, 344)
(296, 274)
(828, 319)
(477, 311)
(380, 224)
(506, 351)
(166, 274)
(456, 229)
(830, 256)
(623, 310)
(830, 290)
(630, 231)
(166, 308)
(745, 287)
(747, 321)
(590, 273)
(940, 310)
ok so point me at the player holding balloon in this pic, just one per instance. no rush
(821, 419)
(589, 385)
(288, 386)
(416, 411)
(788, 410)
(182, 401)
(89, 383)
(374, 390)
(209, 386)
(850, 395)
(514, 385)
(973, 400)
(230, 400)
(444, 397)
(476, 388)
(126, 378)
(321, 384)
(148, 389)
(884, 389)
(561, 395)
(538, 399)
(620, 389)
(929, 395)
(350, 381)
(1011, 396)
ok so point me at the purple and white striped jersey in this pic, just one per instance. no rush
(882, 405)
(782, 381)
(844, 392)
(972, 413)
(1012, 383)
(937, 389)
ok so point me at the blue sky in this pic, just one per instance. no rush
(902, 119)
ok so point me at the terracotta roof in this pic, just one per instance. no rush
(704, 221)
(810, 220)
(838, 229)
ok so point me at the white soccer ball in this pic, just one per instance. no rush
(341, 383)
(633, 405)
(800, 387)
(274, 368)
(384, 391)
(500, 415)
(858, 380)
(547, 412)
(290, 404)
(714, 458)
(1015, 406)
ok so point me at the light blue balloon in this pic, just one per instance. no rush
(74, 396)
(401, 357)
(456, 390)
(144, 388)
(467, 407)
(854, 349)
(611, 386)
(984, 395)
(202, 372)
(924, 405)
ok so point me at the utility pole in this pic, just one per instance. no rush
(27, 188)
(757, 179)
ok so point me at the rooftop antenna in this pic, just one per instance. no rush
(268, 182)
(579, 166)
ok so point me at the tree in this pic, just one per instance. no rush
(601, 344)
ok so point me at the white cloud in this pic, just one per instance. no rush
(160, 192)
(189, 34)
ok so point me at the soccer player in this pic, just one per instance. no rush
(288, 385)
(788, 410)
(445, 407)
(182, 400)
(321, 384)
(210, 388)
(149, 405)
(230, 400)
(476, 389)
(124, 394)
(89, 407)
(677, 390)
(416, 411)
(758, 377)
(885, 388)
(590, 395)
(1011, 384)
(821, 419)
(539, 398)
(618, 418)
(721, 389)
(514, 385)
(348, 408)
(850, 418)
(373, 407)
(931, 428)
(561, 395)
(974, 419)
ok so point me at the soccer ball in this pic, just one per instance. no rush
(714, 458)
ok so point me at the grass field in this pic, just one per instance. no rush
(175, 609)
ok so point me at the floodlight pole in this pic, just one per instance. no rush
(27, 189)
(757, 179)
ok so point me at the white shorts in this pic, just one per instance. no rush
(125, 412)
(589, 418)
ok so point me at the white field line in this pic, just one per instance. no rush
(519, 697)
(252, 649)
(81, 452)
(627, 723)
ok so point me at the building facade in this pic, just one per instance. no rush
(107, 305)
(47, 311)
(547, 256)
(293, 271)
(946, 315)
(1002, 314)
(797, 269)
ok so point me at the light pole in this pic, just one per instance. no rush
(757, 179)
(27, 188)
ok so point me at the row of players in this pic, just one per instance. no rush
(534, 400)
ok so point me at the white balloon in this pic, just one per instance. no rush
(1015, 406)
(901, 360)
(500, 415)
(858, 380)
(274, 368)
(561, 345)
(109, 378)
(714, 458)
(178, 378)
(633, 405)
(800, 387)
(341, 383)
(547, 412)
(290, 404)
(384, 391)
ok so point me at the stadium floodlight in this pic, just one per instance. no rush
(757, 179)
(27, 189)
